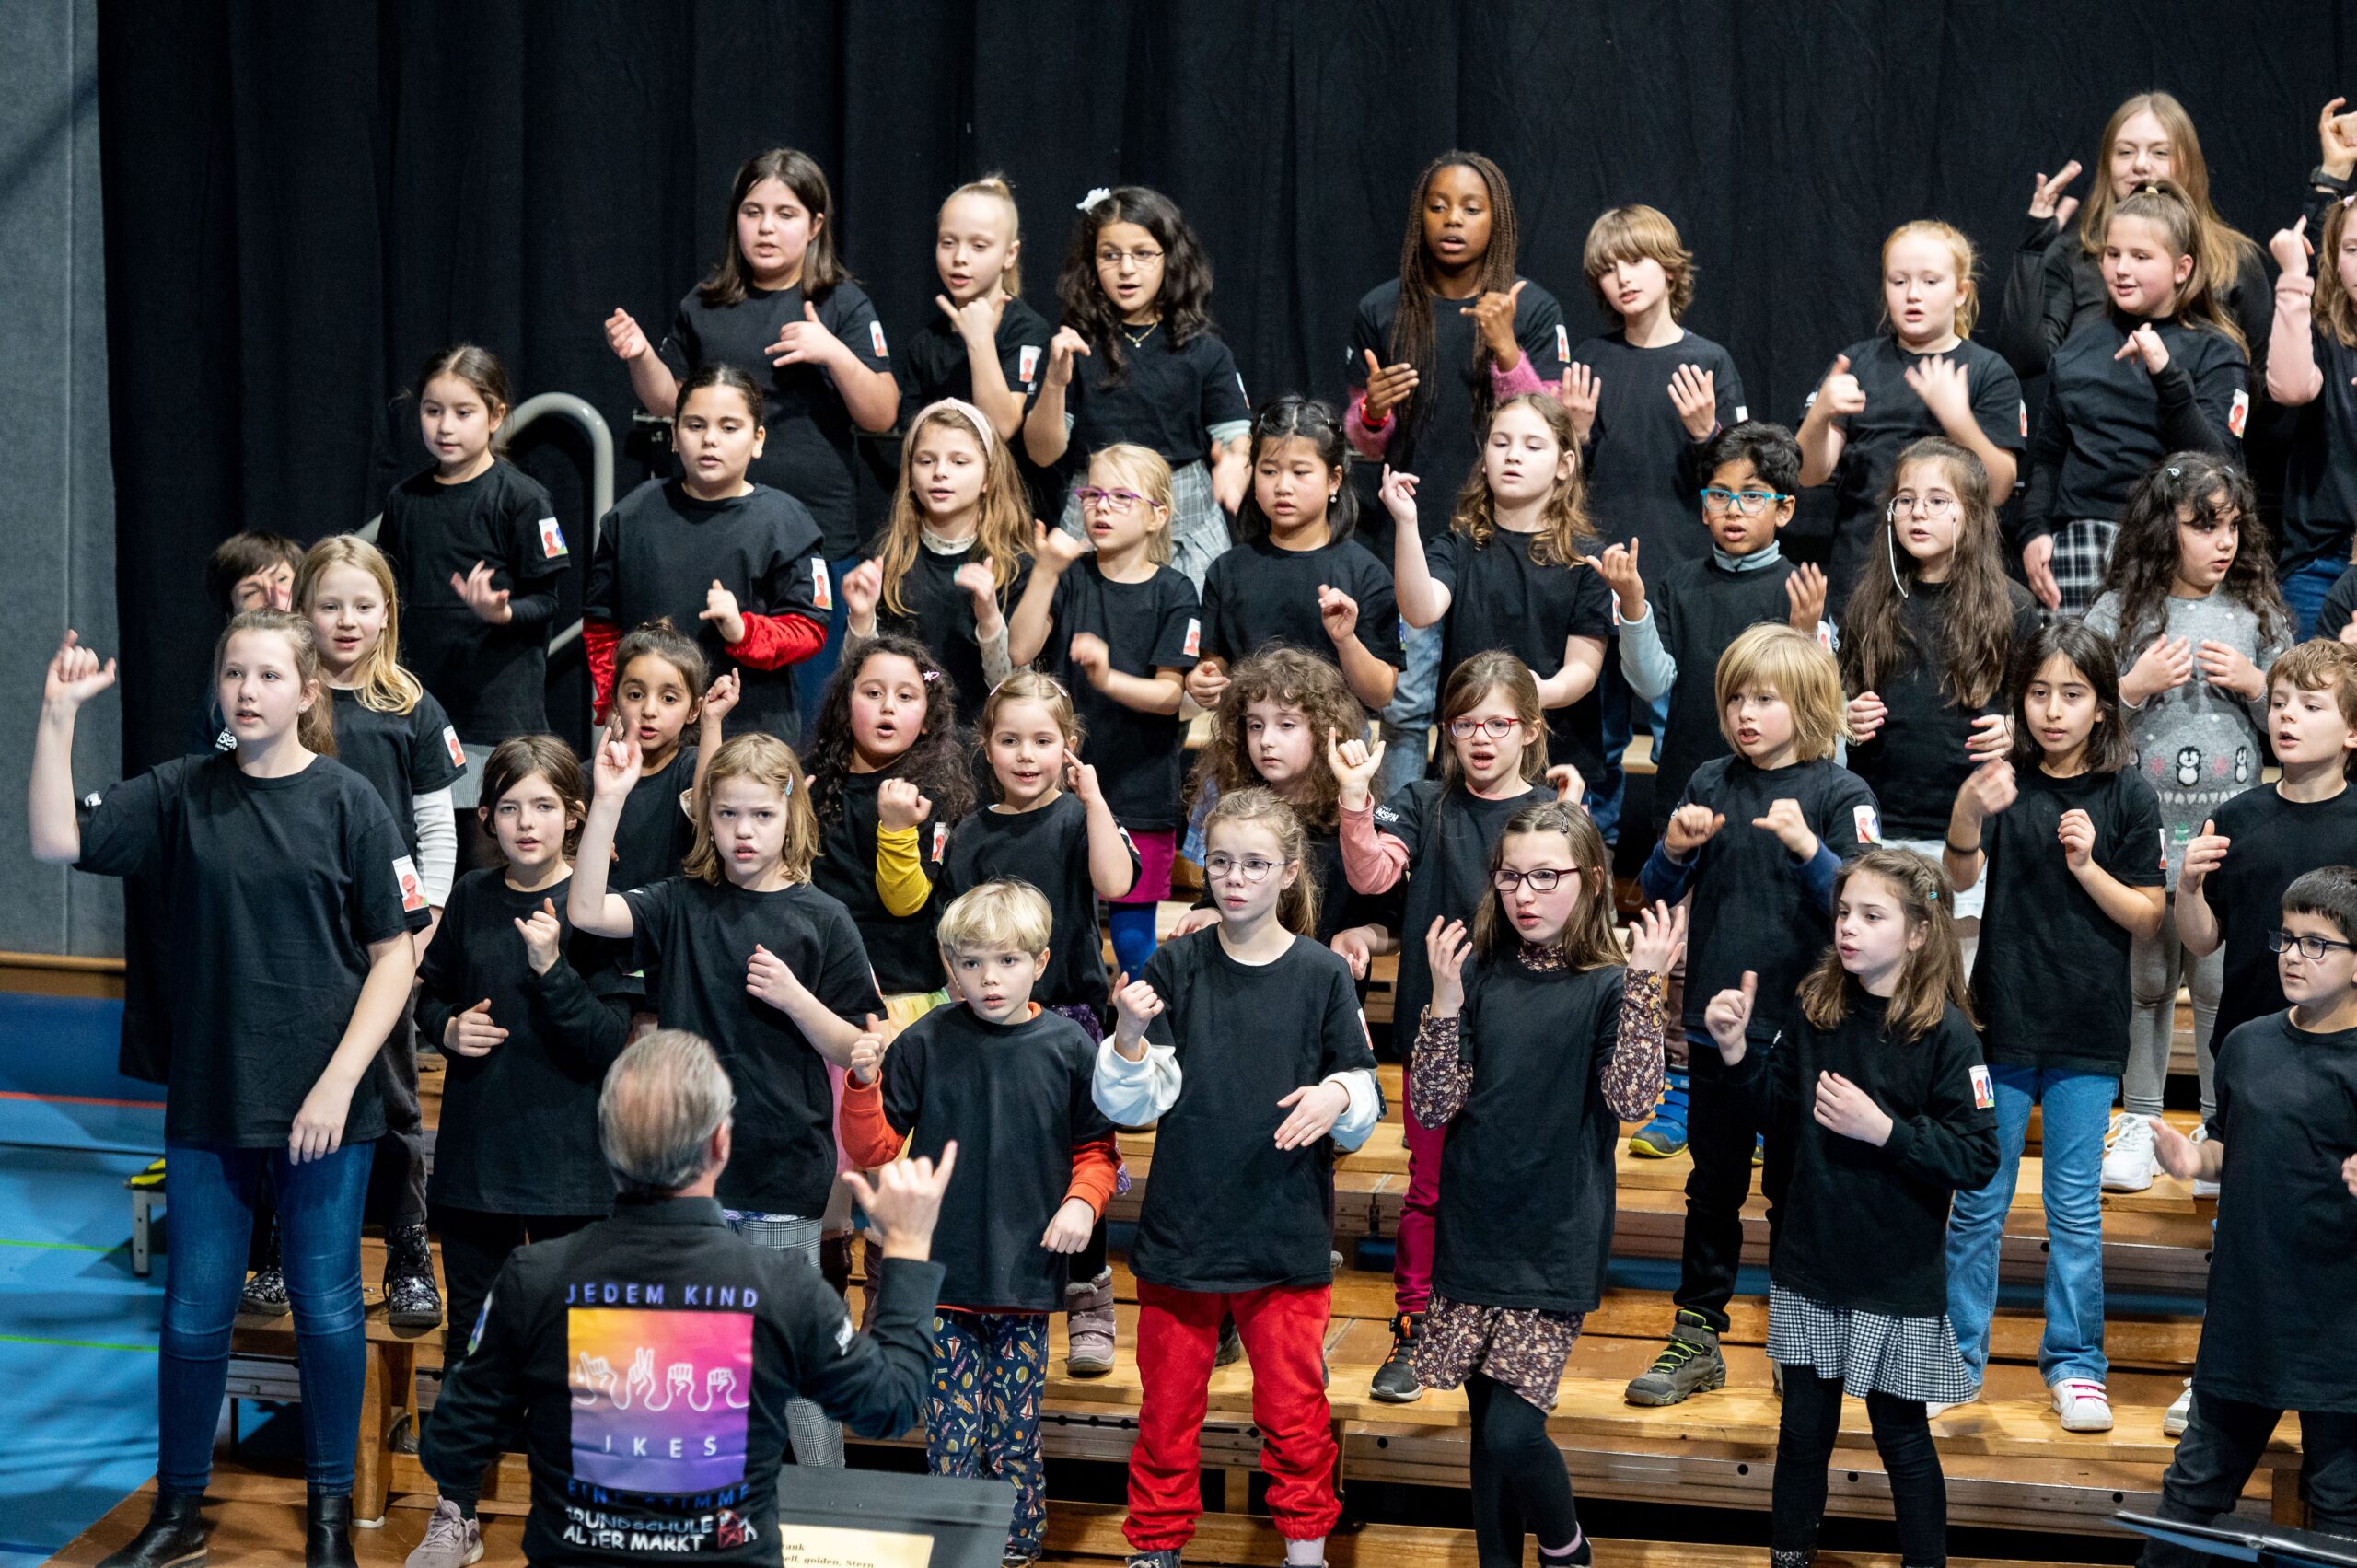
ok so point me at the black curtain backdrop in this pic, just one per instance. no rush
(303, 200)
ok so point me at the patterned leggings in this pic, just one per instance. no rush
(982, 1416)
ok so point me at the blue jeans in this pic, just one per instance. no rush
(810, 676)
(2077, 1113)
(1405, 721)
(2304, 591)
(1620, 708)
(213, 1193)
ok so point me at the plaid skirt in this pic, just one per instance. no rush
(1199, 533)
(2082, 551)
(1907, 1358)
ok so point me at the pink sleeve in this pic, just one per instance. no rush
(1371, 859)
(2292, 374)
(1504, 384)
(1365, 442)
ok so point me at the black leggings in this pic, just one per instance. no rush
(1918, 1494)
(1519, 1482)
(475, 1245)
(1089, 1262)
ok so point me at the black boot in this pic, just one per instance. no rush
(174, 1536)
(327, 1530)
(411, 1299)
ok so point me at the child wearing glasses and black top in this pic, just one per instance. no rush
(2276, 1331)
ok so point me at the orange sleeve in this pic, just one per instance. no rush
(1093, 1167)
(867, 1136)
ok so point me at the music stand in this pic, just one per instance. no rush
(2273, 1546)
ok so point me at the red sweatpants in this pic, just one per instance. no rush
(1412, 1249)
(1283, 1329)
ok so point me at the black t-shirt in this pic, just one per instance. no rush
(491, 679)
(655, 830)
(1700, 609)
(519, 1126)
(277, 887)
(901, 946)
(2320, 480)
(1866, 1227)
(941, 616)
(1156, 624)
(1448, 831)
(1752, 908)
(2275, 842)
(1893, 417)
(1015, 1097)
(1257, 594)
(1432, 436)
(694, 939)
(660, 551)
(808, 452)
(1048, 849)
(2286, 1251)
(1644, 478)
(1168, 399)
(2050, 980)
(2108, 420)
(401, 755)
(2339, 604)
(1526, 1185)
(1227, 1210)
(934, 366)
(1500, 597)
(1917, 761)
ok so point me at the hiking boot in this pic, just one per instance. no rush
(452, 1541)
(172, 1537)
(1089, 1329)
(1231, 1344)
(266, 1292)
(410, 1300)
(1664, 1137)
(1395, 1380)
(1688, 1364)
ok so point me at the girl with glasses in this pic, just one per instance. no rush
(1930, 635)
(1538, 1038)
(1245, 1045)
(1108, 616)
(1923, 375)
(1436, 834)
(1139, 359)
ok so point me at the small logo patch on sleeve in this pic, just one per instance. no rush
(450, 742)
(2239, 415)
(1984, 1096)
(1240, 392)
(1026, 362)
(1193, 645)
(413, 890)
(1868, 824)
(1563, 343)
(2023, 407)
(876, 337)
(1741, 413)
(940, 839)
(552, 544)
(823, 587)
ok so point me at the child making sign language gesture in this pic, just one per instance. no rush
(1875, 1085)
(1245, 1043)
(1543, 1041)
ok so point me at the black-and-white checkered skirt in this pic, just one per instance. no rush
(2082, 551)
(1907, 1358)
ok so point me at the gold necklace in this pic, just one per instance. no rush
(1139, 341)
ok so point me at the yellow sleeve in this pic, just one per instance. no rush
(899, 870)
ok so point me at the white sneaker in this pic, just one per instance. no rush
(2084, 1406)
(2203, 1189)
(452, 1541)
(1933, 1410)
(2180, 1412)
(2128, 1164)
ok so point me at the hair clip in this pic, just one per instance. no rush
(2172, 471)
(2349, 198)
(1095, 195)
(931, 676)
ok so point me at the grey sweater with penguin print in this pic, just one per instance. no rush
(2199, 746)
